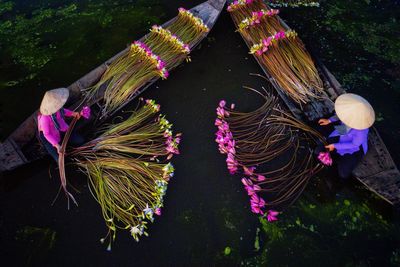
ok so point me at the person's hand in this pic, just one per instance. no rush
(330, 147)
(324, 122)
(58, 147)
(77, 114)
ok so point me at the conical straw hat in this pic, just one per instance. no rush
(53, 100)
(354, 111)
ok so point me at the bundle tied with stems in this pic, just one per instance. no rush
(271, 149)
(128, 169)
(280, 51)
(145, 61)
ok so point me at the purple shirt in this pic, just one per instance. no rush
(351, 141)
(46, 125)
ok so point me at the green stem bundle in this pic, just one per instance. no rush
(161, 50)
(128, 168)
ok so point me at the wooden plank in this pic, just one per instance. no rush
(377, 159)
(386, 184)
(10, 156)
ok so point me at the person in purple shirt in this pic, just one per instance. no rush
(51, 121)
(349, 139)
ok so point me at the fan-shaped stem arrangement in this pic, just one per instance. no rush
(284, 58)
(275, 143)
(128, 168)
(144, 62)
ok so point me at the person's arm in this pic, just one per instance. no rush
(357, 140)
(333, 118)
(45, 127)
(70, 113)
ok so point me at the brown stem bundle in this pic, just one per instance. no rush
(287, 61)
(278, 145)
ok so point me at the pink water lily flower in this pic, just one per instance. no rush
(177, 139)
(272, 215)
(85, 112)
(248, 171)
(246, 182)
(280, 35)
(261, 178)
(325, 158)
(219, 139)
(252, 189)
(257, 204)
(220, 112)
(157, 211)
(224, 127)
(218, 122)
(232, 150)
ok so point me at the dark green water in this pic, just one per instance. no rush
(206, 220)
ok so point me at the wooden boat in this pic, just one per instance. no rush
(377, 171)
(22, 146)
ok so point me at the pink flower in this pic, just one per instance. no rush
(232, 150)
(261, 178)
(218, 122)
(267, 42)
(280, 35)
(157, 211)
(246, 181)
(271, 216)
(85, 112)
(256, 209)
(232, 106)
(252, 189)
(248, 171)
(187, 48)
(177, 140)
(220, 112)
(219, 139)
(166, 74)
(224, 127)
(222, 103)
(325, 158)
(257, 203)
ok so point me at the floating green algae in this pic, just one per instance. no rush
(310, 232)
(37, 40)
(36, 242)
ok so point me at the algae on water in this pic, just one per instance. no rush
(36, 242)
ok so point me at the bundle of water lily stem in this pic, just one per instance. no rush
(270, 148)
(128, 168)
(280, 51)
(147, 60)
(293, 3)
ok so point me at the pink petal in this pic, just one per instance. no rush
(261, 178)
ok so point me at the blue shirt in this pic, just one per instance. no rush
(351, 141)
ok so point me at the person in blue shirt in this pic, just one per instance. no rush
(349, 138)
